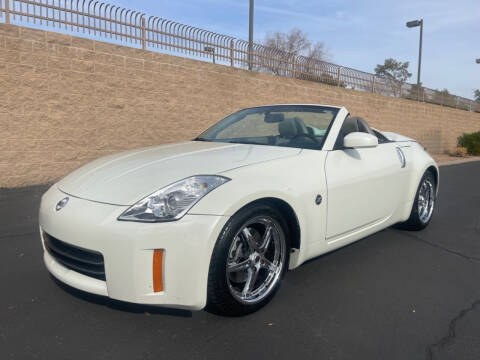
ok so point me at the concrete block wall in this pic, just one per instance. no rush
(67, 100)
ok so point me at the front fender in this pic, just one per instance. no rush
(296, 180)
(421, 161)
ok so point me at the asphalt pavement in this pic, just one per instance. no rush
(393, 295)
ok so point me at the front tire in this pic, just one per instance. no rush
(424, 203)
(248, 262)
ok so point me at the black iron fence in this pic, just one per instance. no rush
(95, 18)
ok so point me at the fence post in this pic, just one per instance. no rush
(338, 75)
(144, 35)
(7, 11)
(232, 58)
(294, 65)
(373, 85)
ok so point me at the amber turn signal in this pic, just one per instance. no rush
(158, 270)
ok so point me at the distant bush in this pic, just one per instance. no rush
(471, 142)
(458, 151)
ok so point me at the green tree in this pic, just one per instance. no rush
(395, 73)
(476, 95)
(476, 107)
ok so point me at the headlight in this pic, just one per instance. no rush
(173, 201)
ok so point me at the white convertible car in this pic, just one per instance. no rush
(217, 221)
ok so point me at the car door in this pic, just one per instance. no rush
(364, 185)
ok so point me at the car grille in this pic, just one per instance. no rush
(83, 261)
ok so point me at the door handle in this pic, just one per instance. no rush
(401, 157)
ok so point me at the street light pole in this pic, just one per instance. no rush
(415, 23)
(420, 53)
(250, 35)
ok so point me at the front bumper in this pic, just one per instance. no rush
(127, 249)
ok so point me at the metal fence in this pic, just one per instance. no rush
(98, 19)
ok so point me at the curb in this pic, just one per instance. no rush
(457, 162)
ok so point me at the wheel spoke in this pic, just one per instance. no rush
(267, 236)
(426, 199)
(250, 283)
(238, 250)
(267, 264)
(249, 238)
(241, 266)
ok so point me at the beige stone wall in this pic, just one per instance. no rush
(67, 100)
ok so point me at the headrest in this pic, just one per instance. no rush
(291, 127)
(287, 128)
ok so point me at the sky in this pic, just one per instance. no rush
(358, 33)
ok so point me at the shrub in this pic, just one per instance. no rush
(458, 151)
(471, 142)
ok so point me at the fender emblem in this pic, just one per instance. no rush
(401, 157)
(61, 204)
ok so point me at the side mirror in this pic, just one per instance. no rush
(360, 140)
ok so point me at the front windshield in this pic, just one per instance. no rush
(300, 126)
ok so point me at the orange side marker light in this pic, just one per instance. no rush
(158, 270)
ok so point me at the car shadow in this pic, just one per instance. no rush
(121, 305)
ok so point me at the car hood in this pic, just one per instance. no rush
(125, 178)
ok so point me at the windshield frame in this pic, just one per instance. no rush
(335, 111)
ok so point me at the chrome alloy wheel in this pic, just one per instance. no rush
(255, 259)
(426, 200)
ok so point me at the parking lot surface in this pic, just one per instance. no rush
(393, 295)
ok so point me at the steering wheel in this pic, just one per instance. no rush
(311, 137)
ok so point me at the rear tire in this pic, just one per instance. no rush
(423, 205)
(248, 262)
